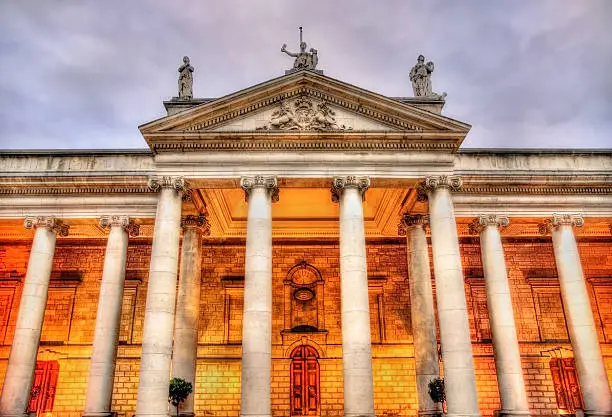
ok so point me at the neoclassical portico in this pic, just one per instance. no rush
(198, 278)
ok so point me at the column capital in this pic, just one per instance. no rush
(156, 183)
(560, 219)
(340, 183)
(483, 221)
(433, 182)
(197, 222)
(132, 229)
(410, 221)
(48, 222)
(270, 183)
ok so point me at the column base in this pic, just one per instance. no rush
(461, 415)
(430, 413)
(181, 413)
(359, 415)
(510, 413)
(596, 413)
(101, 414)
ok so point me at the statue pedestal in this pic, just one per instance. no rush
(292, 70)
(177, 105)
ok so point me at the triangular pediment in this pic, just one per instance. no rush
(302, 102)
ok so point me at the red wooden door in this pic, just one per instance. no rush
(304, 382)
(42, 394)
(567, 388)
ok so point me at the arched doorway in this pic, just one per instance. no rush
(305, 388)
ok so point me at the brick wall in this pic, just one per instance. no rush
(70, 316)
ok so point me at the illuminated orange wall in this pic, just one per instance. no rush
(70, 316)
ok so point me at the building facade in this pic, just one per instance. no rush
(306, 247)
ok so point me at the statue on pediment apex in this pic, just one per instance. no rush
(420, 76)
(303, 59)
(185, 81)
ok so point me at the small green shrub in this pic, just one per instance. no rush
(178, 392)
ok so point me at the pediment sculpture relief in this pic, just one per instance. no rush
(303, 114)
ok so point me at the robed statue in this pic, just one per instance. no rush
(303, 59)
(420, 76)
(185, 81)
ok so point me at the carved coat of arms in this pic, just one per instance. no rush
(303, 114)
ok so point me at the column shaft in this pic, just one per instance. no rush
(459, 377)
(159, 310)
(24, 349)
(188, 308)
(505, 342)
(257, 318)
(355, 307)
(581, 325)
(422, 313)
(108, 319)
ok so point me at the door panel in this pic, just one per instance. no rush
(42, 395)
(567, 388)
(304, 382)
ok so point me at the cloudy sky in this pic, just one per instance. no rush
(524, 73)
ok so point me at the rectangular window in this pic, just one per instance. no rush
(234, 305)
(58, 314)
(6, 305)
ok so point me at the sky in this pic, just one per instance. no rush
(79, 74)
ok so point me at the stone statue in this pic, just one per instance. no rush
(420, 76)
(303, 59)
(185, 81)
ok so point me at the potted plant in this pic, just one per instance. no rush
(436, 391)
(178, 392)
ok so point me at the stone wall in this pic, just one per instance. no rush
(69, 321)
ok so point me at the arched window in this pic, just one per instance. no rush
(304, 299)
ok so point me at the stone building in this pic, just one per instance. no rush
(306, 247)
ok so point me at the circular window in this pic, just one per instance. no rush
(303, 294)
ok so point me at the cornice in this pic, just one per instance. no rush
(581, 184)
(302, 141)
(51, 186)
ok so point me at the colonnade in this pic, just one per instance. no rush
(162, 328)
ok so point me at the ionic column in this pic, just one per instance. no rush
(188, 305)
(355, 308)
(108, 318)
(421, 310)
(505, 342)
(257, 317)
(161, 296)
(24, 349)
(459, 377)
(581, 325)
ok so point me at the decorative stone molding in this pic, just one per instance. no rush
(410, 221)
(340, 183)
(132, 229)
(303, 113)
(560, 219)
(308, 141)
(178, 183)
(48, 222)
(199, 222)
(481, 222)
(431, 183)
(259, 181)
